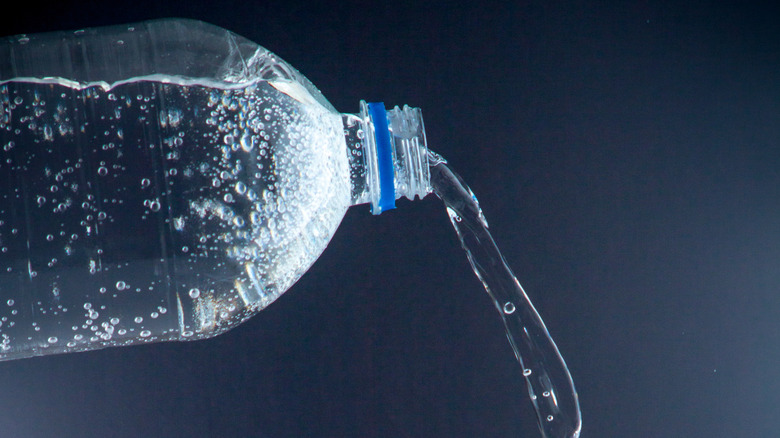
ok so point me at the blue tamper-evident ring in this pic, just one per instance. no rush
(384, 154)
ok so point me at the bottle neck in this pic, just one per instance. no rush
(388, 155)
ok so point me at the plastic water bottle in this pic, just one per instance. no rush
(167, 180)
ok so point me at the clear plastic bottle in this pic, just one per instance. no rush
(169, 179)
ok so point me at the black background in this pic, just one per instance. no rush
(626, 156)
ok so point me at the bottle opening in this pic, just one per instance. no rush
(396, 155)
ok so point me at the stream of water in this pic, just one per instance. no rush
(550, 386)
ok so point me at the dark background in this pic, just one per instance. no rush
(626, 156)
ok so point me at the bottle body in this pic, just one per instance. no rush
(169, 205)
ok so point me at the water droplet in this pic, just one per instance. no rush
(121, 285)
(138, 319)
(145, 333)
(10, 302)
(549, 418)
(527, 372)
(52, 340)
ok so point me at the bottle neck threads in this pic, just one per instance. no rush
(388, 155)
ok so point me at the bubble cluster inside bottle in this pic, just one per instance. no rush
(156, 209)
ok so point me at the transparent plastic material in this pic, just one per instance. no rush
(166, 181)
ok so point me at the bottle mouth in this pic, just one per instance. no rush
(396, 155)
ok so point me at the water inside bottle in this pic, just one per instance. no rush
(158, 208)
(549, 382)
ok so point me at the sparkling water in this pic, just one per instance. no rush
(550, 386)
(157, 208)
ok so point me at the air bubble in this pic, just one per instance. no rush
(194, 293)
(509, 308)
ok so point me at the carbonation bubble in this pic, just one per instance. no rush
(194, 293)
